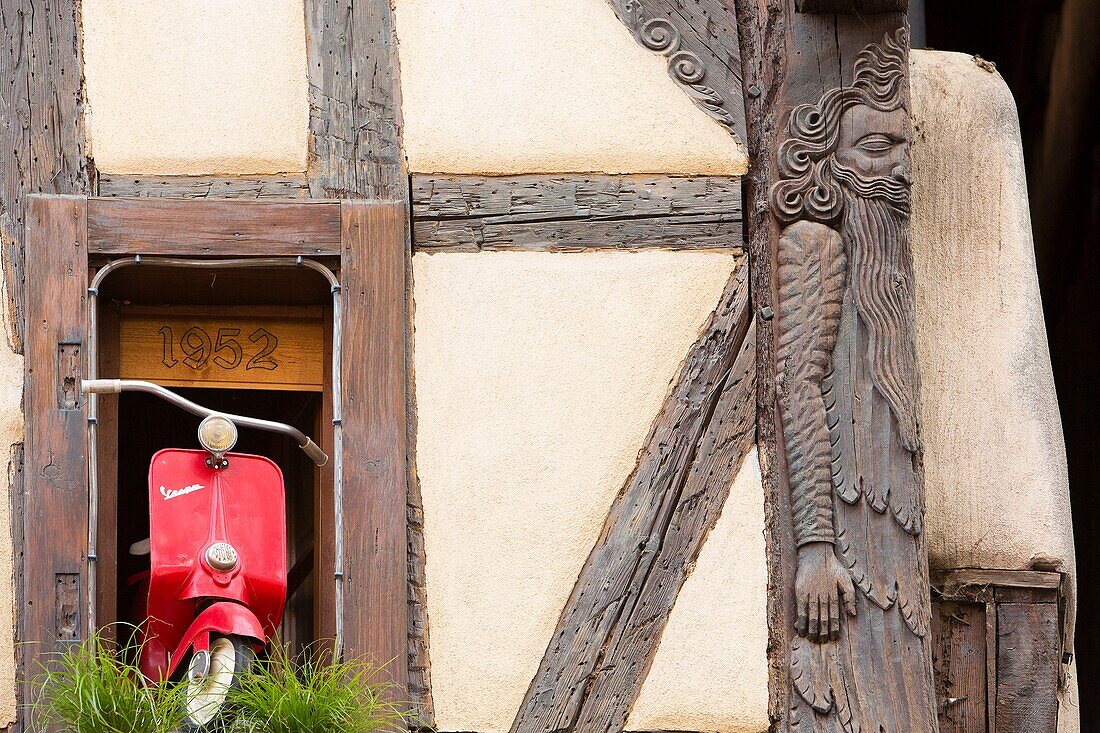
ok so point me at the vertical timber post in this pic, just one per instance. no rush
(55, 572)
(827, 101)
(375, 573)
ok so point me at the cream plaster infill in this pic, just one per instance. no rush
(545, 86)
(196, 86)
(538, 377)
(711, 668)
(11, 432)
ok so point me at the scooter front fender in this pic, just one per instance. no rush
(224, 618)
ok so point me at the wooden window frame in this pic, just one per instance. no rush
(369, 239)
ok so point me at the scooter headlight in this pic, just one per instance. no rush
(217, 434)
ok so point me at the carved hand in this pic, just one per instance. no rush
(821, 584)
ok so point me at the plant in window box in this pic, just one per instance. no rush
(312, 694)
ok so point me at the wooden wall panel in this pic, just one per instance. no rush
(223, 228)
(374, 406)
(56, 505)
(1028, 651)
(958, 657)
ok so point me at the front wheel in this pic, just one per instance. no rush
(210, 677)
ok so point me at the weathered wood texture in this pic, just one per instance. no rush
(574, 213)
(41, 125)
(1028, 657)
(354, 101)
(355, 152)
(840, 442)
(853, 6)
(55, 572)
(610, 627)
(288, 186)
(223, 228)
(374, 385)
(997, 640)
(959, 660)
(699, 41)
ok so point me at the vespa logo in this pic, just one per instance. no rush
(173, 493)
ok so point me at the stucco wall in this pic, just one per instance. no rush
(11, 432)
(996, 470)
(711, 668)
(998, 493)
(538, 377)
(196, 86)
(533, 86)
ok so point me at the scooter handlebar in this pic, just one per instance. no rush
(315, 453)
(116, 386)
(101, 386)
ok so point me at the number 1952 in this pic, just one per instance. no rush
(225, 350)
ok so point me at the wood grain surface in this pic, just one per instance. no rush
(213, 227)
(55, 566)
(374, 383)
(571, 213)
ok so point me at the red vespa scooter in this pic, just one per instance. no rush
(217, 578)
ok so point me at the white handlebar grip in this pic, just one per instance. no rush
(101, 386)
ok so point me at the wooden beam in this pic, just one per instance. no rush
(699, 41)
(288, 186)
(216, 227)
(566, 213)
(610, 628)
(866, 7)
(373, 281)
(839, 431)
(1028, 666)
(55, 566)
(354, 101)
(355, 152)
(41, 125)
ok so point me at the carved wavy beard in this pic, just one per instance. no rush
(877, 240)
(895, 191)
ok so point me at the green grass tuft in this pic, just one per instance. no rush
(91, 689)
(284, 694)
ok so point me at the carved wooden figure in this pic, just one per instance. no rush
(851, 561)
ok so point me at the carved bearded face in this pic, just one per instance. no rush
(872, 155)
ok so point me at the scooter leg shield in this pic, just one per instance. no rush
(225, 619)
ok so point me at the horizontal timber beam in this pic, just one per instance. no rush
(215, 227)
(853, 6)
(283, 186)
(568, 213)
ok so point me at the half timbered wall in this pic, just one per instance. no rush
(575, 250)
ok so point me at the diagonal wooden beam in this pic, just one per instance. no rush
(609, 630)
(699, 40)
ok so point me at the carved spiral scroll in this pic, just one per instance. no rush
(684, 66)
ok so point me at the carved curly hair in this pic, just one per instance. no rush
(809, 189)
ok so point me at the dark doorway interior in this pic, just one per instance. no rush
(1049, 54)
